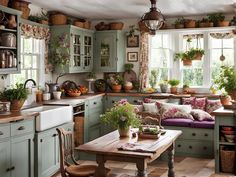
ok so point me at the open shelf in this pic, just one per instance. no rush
(3, 47)
(8, 30)
(227, 143)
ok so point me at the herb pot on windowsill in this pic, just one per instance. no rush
(116, 88)
(225, 100)
(173, 90)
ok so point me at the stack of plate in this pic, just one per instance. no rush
(229, 134)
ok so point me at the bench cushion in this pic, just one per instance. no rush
(203, 124)
(177, 122)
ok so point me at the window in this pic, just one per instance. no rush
(160, 56)
(219, 47)
(32, 60)
(193, 75)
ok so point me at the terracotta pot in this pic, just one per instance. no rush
(190, 24)
(223, 23)
(173, 90)
(186, 90)
(187, 62)
(4, 2)
(45, 22)
(179, 26)
(58, 19)
(233, 94)
(79, 24)
(87, 24)
(16, 105)
(225, 100)
(124, 132)
(116, 88)
(198, 56)
(116, 25)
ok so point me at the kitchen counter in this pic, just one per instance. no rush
(16, 116)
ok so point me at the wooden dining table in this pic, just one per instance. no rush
(107, 148)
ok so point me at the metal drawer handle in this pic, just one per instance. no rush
(10, 169)
(206, 134)
(1, 133)
(135, 101)
(94, 102)
(54, 135)
(179, 145)
(190, 147)
(193, 134)
(21, 128)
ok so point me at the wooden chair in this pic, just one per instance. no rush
(69, 167)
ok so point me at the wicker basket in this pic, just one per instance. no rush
(116, 25)
(58, 19)
(4, 2)
(79, 24)
(227, 159)
(23, 7)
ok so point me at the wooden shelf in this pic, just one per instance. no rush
(3, 47)
(9, 30)
(227, 143)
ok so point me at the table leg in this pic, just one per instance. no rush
(141, 165)
(101, 170)
(171, 150)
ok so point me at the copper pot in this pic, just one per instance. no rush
(8, 40)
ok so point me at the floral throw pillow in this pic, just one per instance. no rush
(171, 111)
(188, 101)
(200, 103)
(201, 115)
(150, 107)
(212, 105)
(149, 100)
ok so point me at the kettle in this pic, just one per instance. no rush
(52, 87)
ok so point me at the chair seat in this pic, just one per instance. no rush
(81, 170)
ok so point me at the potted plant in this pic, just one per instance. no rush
(186, 87)
(117, 81)
(128, 86)
(179, 23)
(218, 19)
(205, 23)
(225, 99)
(16, 95)
(173, 83)
(189, 23)
(129, 67)
(186, 57)
(164, 86)
(100, 85)
(226, 80)
(198, 53)
(233, 21)
(121, 116)
(153, 78)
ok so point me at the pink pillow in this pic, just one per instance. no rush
(201, 115)
(188, 101)
(170, 111)
(212, 105)
(200, 103)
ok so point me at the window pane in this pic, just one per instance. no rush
(34, 62)
(28, 45)
(36, 45)
(159, 58)
(19, 78)
(166, 42)
(193, 76)
(27, 61)
(216, 43)
(157, 41)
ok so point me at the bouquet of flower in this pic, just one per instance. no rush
(122, 115)
(117, 80)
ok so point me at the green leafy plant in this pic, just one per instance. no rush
(216, 17)
(59, 54)
(189, 55)
(179, 21)
(198, 50)
(18, 92)
(132, 30)
(117, 80)
(226, 80)
(153, 78)
(174, 82)
(129, 67)
(233, 21)
(122, 115)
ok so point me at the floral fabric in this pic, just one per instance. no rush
(172, 111)
(144, 60)
(222, 35)
(149, 100)
(38, 32)
(188, 101)
(201, 115)
(212, 105)
(200, 103)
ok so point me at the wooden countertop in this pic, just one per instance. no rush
(223, 112)
(16, 116)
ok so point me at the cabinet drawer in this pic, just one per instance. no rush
(194, 147)
(96, 103)
(4, 131)
(94, 118)
(22, 127)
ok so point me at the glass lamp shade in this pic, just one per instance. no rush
(153, 20)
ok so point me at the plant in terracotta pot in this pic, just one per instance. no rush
(233, 21)
(185, 57)
(100, 85)
(122, 116)
(179, 23)
(173, 83)
(218, 19)
(225, 99)
(204, 22)
(198, 53)
(164, 86)
(117, 81)
(226, 80)
(129, 67)
(16, 95)
(189, 23)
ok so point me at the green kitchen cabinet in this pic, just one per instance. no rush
(47, 151)
(14, 51)
(109, 51)
(80, 43)
(17, 149)
(94, 132)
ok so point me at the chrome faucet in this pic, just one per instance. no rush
(28, 80)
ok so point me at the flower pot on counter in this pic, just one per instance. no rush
(16, 105)
(124, 132)
(233, 94)
(225, 100)
(173, 90)
(116, 88)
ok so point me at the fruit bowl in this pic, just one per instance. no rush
(74, 94)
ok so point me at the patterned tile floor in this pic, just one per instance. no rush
(184, 167)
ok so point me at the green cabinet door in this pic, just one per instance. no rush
(94, 132)
(5, 158)
(47, 155)
(87, 51)
(22, 156)
(109, 51)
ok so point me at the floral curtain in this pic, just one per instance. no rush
(222, 35)
(143, 60)
(193, 36)
(38, 32)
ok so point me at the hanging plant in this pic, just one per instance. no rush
(186, 57)
(59, 54)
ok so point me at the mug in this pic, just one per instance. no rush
(46, 96)
(57, 95)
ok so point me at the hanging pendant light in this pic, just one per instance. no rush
(153, 19)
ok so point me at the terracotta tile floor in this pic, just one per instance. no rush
(184, 167)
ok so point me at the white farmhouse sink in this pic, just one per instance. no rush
(51, 116)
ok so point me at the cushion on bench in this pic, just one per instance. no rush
(203, 124)
(177, 122)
